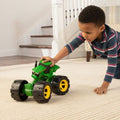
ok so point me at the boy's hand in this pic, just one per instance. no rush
(46, 59)
(103, 89)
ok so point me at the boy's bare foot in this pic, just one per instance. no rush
(102, 89)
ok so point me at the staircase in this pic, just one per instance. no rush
(42, 42)
(64, 29)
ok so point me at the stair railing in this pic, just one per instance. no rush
(64, 12)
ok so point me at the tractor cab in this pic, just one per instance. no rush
(43, 70)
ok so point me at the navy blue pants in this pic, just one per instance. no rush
(117, 72)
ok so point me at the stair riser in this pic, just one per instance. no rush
(47, 31)
(41, 41)
(35, 52)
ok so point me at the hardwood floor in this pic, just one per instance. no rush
(16, 60)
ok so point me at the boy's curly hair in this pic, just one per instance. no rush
(92, 14)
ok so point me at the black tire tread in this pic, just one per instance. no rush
(55, 84)
(38, 91)
(16, 90)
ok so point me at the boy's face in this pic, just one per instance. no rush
(90, 31)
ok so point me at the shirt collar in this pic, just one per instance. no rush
(104, 37)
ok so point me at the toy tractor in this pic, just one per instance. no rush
(43, 85)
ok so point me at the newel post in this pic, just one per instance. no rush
(58, 26)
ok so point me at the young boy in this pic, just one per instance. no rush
(102, 39)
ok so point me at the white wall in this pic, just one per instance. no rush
(17, 17)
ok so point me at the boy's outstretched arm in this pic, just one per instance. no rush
(61, 54)
(65, 50)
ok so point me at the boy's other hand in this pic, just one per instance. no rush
(103, 89)
(46, 59)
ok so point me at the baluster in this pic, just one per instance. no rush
(71, 10)
(114, 15)
(74, 13)
(75, 9)
(68, 7)
(79, 6)
(87, 2)
(90, 2)
(117, 16)
(78, 12)
(65, 13)
(66, 17)
(70, 15)
(110, 15)
(106, 10)
(83, 4)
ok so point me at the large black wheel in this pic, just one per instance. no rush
(60, 85)
(42, 91)
(17, 90)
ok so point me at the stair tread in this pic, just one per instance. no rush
(36, 46)
(41, 35)
(50, 26)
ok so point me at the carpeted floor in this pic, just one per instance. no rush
(80, 103)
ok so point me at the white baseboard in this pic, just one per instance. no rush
(9, 52)
(35, 52)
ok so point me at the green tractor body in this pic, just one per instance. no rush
(41, 72)
(44, 82)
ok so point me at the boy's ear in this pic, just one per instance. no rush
(102, 28)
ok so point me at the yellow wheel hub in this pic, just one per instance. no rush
(47, 91)
(63, 85)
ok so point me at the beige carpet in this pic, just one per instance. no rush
(81, 103)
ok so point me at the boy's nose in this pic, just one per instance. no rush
(84, 35)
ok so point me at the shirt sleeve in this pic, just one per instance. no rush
(112, 59)
(75, 43)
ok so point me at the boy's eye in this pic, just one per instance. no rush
(88, 32)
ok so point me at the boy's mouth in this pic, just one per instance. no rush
(88, 40)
